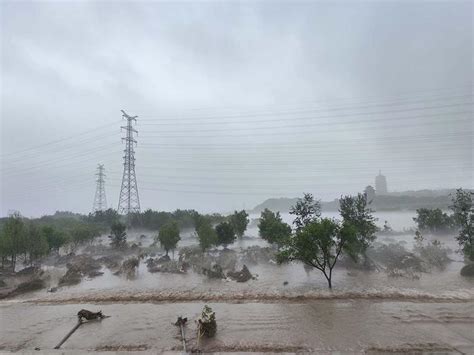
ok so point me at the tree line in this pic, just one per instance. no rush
(460, 221)
(320, 242)
(30, 240)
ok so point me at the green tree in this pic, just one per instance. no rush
(463, 214)
(169, 236)
(306, 210)
(118, 237)
(14, 238)
(54, 237)
(239, 221)
(319, 244)
(225, 234)
(433, 221)
(82, 233)
(354, 211)
(37, 244)
(272, 228)
(106, 218)
(206, 234)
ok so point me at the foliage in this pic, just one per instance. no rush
(83, 233)
(169, 236)
(118, 237)
(54, 237)
(433, 254)
(36, 243)
(272, 228)
(106, 218)
(433, 221)
(154, 220)
(463, 214)
(306, 211)
(206, 234)
(397, 260)
(319, 244)
(355, 212)
(13, 239)
(225, 234)
(239, 221)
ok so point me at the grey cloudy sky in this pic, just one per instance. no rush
(237, 101)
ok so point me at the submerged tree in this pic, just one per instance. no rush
(225, 234)
(354, 211)
(118, 237)
(206, 234)
(306, 210)
(433, 220)
(239, 221)
(319, 244)
(272, 228)
(169, 236)
(463, 214)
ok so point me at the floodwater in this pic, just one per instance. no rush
(286, 308)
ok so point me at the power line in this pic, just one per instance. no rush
(284, 113)
(426, 95)
(59, 140)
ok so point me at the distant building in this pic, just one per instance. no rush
(381, 184)
(370, 193)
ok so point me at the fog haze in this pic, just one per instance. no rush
(236, 102)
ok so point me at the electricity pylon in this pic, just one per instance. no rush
(128, 199)
(100, 201)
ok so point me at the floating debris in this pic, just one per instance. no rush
(207, 325)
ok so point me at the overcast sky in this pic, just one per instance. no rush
(236, 102)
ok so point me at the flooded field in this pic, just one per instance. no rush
(285, 308)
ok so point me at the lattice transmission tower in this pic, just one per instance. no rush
(100, 200)
(128, 199)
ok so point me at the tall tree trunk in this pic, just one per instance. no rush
(13, 262)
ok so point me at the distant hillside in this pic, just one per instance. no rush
(281, 204)
(405, 200)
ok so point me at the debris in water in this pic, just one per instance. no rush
(240, 276)
(215, 272)
(88, 315)
(181, 323)
(207, 325)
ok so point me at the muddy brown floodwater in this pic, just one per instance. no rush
(285, 309)
(321, 326)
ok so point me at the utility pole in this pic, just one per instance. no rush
(100, 201)
(128, 200)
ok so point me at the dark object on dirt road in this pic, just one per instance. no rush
(181, 323)
(207, 325)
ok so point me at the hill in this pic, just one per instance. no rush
(404, 200)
